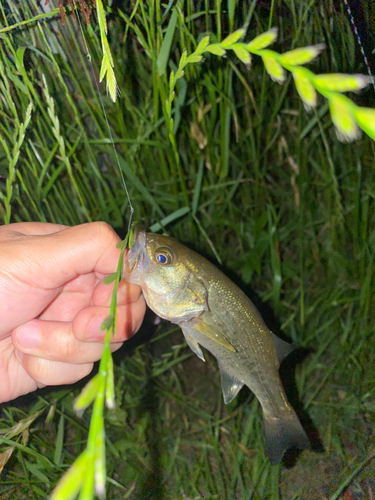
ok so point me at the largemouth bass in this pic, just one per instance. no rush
(183, 287)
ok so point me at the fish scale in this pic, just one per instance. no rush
(183, 287)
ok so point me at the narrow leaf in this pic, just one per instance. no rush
(366, 120)
(273, 68)
(202, 45)
(59, 441)
(216, 49)
(242, 54)
(182, 62)
(87, 395)
(301, 56)
(99, 464)
(110, 385)
(121, 244)
(343, 119)
(103, 69)
(263, 40)
(111, 278)
(170, 218)
(112, 87)
(232, 38)
(70, 483)
(193, 58)
(108, 322)
(172, 81)
(305, 88)
(342, 83)
(179, 74)
(162, 60)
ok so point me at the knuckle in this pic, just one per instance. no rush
(104, 230)
(69, 347)
(38, 369)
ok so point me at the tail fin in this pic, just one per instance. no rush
(282, 434)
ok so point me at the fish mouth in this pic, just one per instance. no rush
(137, 258)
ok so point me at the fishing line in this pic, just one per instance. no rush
(88, 55)
(354, 26)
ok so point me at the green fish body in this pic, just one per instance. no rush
(183, 287)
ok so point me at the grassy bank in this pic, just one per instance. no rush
(260, 185)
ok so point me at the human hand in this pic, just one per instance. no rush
(53, 302)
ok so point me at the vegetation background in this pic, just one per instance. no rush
(262, 187)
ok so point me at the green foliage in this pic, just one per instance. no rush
(106, 70)
(232, 165)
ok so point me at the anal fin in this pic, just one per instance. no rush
(230, 385)
(194, 346)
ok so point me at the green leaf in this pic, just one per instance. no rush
(59, 441)
(273, 67)
(99, 464)
(130, 235)
(170, 218)
(162, 60)
(263, 40)
(108, 322)
(88, 393)
(35, 471)
(216, 49)
(121, 244)
(232, 38)
(366, 120)
(110, 385)
(70, 483)
(301, 56)
(172, 81)
(242, 54)
(342, 83)
(179, 74)
(202, 45)
(193, 58)
(182, 62)
(134, 180)
(305, 88)
(110, 279)
(343, 119)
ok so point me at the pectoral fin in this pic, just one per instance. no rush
(193, 344)
(230, 385)
(212, 334)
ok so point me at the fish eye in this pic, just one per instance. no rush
(164, 256)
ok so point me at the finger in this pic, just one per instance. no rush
(47, 372)
(87, 324)
(14, 381)
(75, 296)
(54, 341)
(54, 259)
(36, 228)
(126, 293)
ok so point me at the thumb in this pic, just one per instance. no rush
(51, 260)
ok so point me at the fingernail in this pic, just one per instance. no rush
(93, 330)
(28, 336)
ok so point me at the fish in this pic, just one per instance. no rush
(184, 288)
